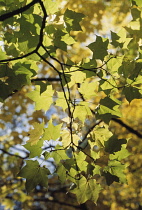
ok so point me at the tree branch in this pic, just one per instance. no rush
(17, 11)
(46, 79)
(120, 122)
(56, 201)
(18, 156)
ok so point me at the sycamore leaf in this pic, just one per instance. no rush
(2, 54)
(99, 48)
(81, 163)
(61, 171)
(35, 133)
(67, 138)
(52, 132)
(59, 154)
(116, 168)
(86, 190)
(138, 2)
(109, 108)
(72, 20)
(77, 77)
(114, 144)
(122, 154)
(82, 110)
(131, 93)
(101, 135)
(61, 101)
(34, 175)
(68, 39)
(127, 68)
(88, 88)
(114, 64)
(110, 178)
(35, 149)
(51, 6)
(43, 100)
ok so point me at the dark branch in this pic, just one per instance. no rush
(46, 79)
(56, 201)
(17, 11)
(18, 156)
(120, 122)
(19, 57)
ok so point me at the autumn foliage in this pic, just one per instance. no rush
(70, 94)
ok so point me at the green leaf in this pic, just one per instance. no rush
(72, 20)
(114, 63)
(36, 133)
(43, 100)
(81, 163)
(82, 110)
(61, 100)
(120, 39)
(76, 77)
(109, 108)
(110, 178)
(34, 175)
(35, 149)
(114, 144)
(66, 138)
(101, 135)
(127, 68)
(52, 132)
(86, 190)
(117, 169)
(139, 3)
(2, 54)
(99, 48)
(131, 93)
(68, 39)
(61, 171)
(87, 89)
(59, 154)
(122, 154)
(59, 40)
(51, 6)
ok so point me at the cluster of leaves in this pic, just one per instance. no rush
(88, 94)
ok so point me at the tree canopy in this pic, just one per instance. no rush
(71, 104)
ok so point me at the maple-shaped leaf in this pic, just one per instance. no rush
(52, 132)
(88, 88)
(116, 168)
(51, 6)
(80, 159)
(61, 101)
(86, 190)
(110, 178)
(99, 48)
(114, 144)
(34, 175)
(61, 171)
(72, 20)
(43, 100)
(132, 93)
(122, 154)
(67, 139)
(109, 108)
(35, 133)
(82, 110)
(59, 154)
(35, 150)
(101, 135)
